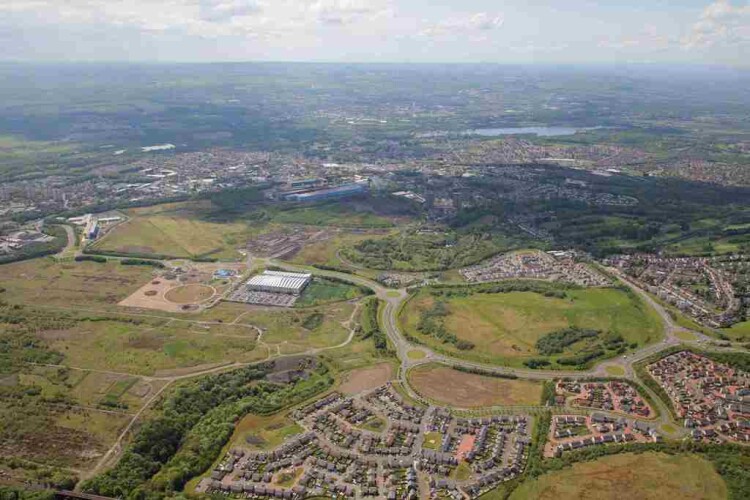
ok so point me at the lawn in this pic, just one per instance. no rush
(684, 335)
(432, 440)
(375, 424)
(647, 476)
(416, 354)
(451, 387)
(615, 371)
(504, 327)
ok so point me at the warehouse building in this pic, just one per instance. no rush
(343, 191)
(279, 282)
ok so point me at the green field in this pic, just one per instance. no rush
(256, 432)
(323, 291)
(647, 476)
(428, 251)
(332, 214)
(739, 331)
(326, 252)
(81, 284)
(284, 331)
(152, 346)
(505, 327)
(171, 230)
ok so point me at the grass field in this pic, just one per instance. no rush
(647, 476)
(505, 327)
(171, 230)
(323, 291)
(739, 332)
(255, 432)
(81, 284)
(467, 390)
(284, 332)
(326, 252)
(152, 346)
(332, 214)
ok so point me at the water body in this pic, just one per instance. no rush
(538, 131)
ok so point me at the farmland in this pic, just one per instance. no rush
(467, 390)
(642, 476)
(507, 327)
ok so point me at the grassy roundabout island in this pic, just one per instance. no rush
(536, 324)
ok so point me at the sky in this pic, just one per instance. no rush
(496, 31)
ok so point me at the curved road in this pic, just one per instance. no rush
(393, 300)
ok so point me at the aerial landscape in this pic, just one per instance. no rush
(381, 271)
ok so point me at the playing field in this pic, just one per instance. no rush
(647, 476)
(467, 390)
(504, 327)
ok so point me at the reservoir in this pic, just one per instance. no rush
(538, 131)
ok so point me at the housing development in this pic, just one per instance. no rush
(377, 445)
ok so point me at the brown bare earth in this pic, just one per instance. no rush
(467, 390)
(364, 379)
(144, 298)
(189, 294)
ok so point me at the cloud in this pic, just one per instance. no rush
(344, 12)
(463, 25)
(721, 23)
(649, 38)
(225, 10)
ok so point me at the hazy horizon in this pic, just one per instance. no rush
(698, 32)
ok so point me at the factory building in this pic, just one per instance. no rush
(327, 194)
(279, 282)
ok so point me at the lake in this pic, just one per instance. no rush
(538, 131)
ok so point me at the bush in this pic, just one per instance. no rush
(90, 258)
(141, 262)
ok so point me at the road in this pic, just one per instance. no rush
(393, 301)
(70, 245)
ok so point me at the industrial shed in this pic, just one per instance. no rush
(279, 282)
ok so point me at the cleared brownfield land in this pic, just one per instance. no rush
(364, 379)
(467, 390)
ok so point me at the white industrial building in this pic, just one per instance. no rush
(279, 282)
